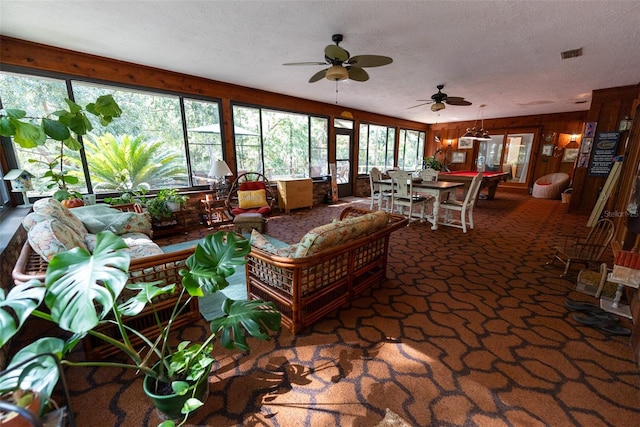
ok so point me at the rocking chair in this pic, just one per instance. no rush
(588, 250)
(251, 193)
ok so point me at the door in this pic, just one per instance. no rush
(344, 154)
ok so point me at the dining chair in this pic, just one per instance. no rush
(403, 195)
(464, 207)
(429, 174)
(378, 196)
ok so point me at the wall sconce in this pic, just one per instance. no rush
(625, 124)
(574, 142)
(449, 142)
(218, 177)
(20, 183)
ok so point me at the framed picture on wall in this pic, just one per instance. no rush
(547, 150)
(464, 144)
(458, 157)
(570, 154)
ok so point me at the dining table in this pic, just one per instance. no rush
(440, 190)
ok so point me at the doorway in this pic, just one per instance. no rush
(344, 154)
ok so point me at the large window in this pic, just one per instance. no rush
(280, 144)
(376, 148)
(161, 140)
(411, 149)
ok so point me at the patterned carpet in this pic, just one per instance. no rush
(468, 330)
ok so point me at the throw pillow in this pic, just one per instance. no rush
(252, 199)
(131, 222)
(51, 237)
(54, 209)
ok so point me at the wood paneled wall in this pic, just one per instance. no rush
(560, 124)
(608, 107)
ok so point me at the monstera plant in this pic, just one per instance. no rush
(83, 290)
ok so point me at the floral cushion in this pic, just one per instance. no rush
(100, 217)
(51, 237)
(29, 221)
(139, 244)
(54, 209)
(336, 233)
(259, 241)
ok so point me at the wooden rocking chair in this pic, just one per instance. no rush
(587, 250)
(251, 192)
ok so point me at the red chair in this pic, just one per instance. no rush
(251, 193)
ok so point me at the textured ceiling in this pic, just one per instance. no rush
(500, 53)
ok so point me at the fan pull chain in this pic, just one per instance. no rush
(336, 92)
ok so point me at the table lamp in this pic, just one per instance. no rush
(218, 173)
(20, 183)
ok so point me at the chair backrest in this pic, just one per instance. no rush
(474, 189)
(246, 182)
(429, 174)
(374, 175)
(599, 237)
(402, 183)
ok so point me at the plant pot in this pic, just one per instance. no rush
(14, 419)
(169, 406)
(173, 206)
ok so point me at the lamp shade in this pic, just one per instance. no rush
(336, 72)
(219, 168)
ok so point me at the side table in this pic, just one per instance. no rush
(214, 212)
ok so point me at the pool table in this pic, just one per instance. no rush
(489, 179)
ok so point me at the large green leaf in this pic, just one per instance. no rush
(55, 129)
(28, 135)
(81, 287)
(213, 261)
(18, 305)
(6, 128)
(105, 108)
(13, 113)
(146, 293)
(254, 316)
(39, 371)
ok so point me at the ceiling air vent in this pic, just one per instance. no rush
(571, 53)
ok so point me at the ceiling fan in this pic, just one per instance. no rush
(343, 65)
(441, 98)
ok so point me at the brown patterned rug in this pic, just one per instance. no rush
(468, 330)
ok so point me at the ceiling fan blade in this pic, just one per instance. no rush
(358, 74)
(370, 60)
(420, 105)
(305, 63)
(456, 100)
(336, 53)
(318, 76)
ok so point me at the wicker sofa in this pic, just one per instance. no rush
(330, 266)
(148, 263)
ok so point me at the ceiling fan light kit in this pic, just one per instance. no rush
(336, 72)
(439, 100)
(344, 66)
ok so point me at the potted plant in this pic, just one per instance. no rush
(165, 204)
(64, 126)
(83, 290)
(19, 399)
